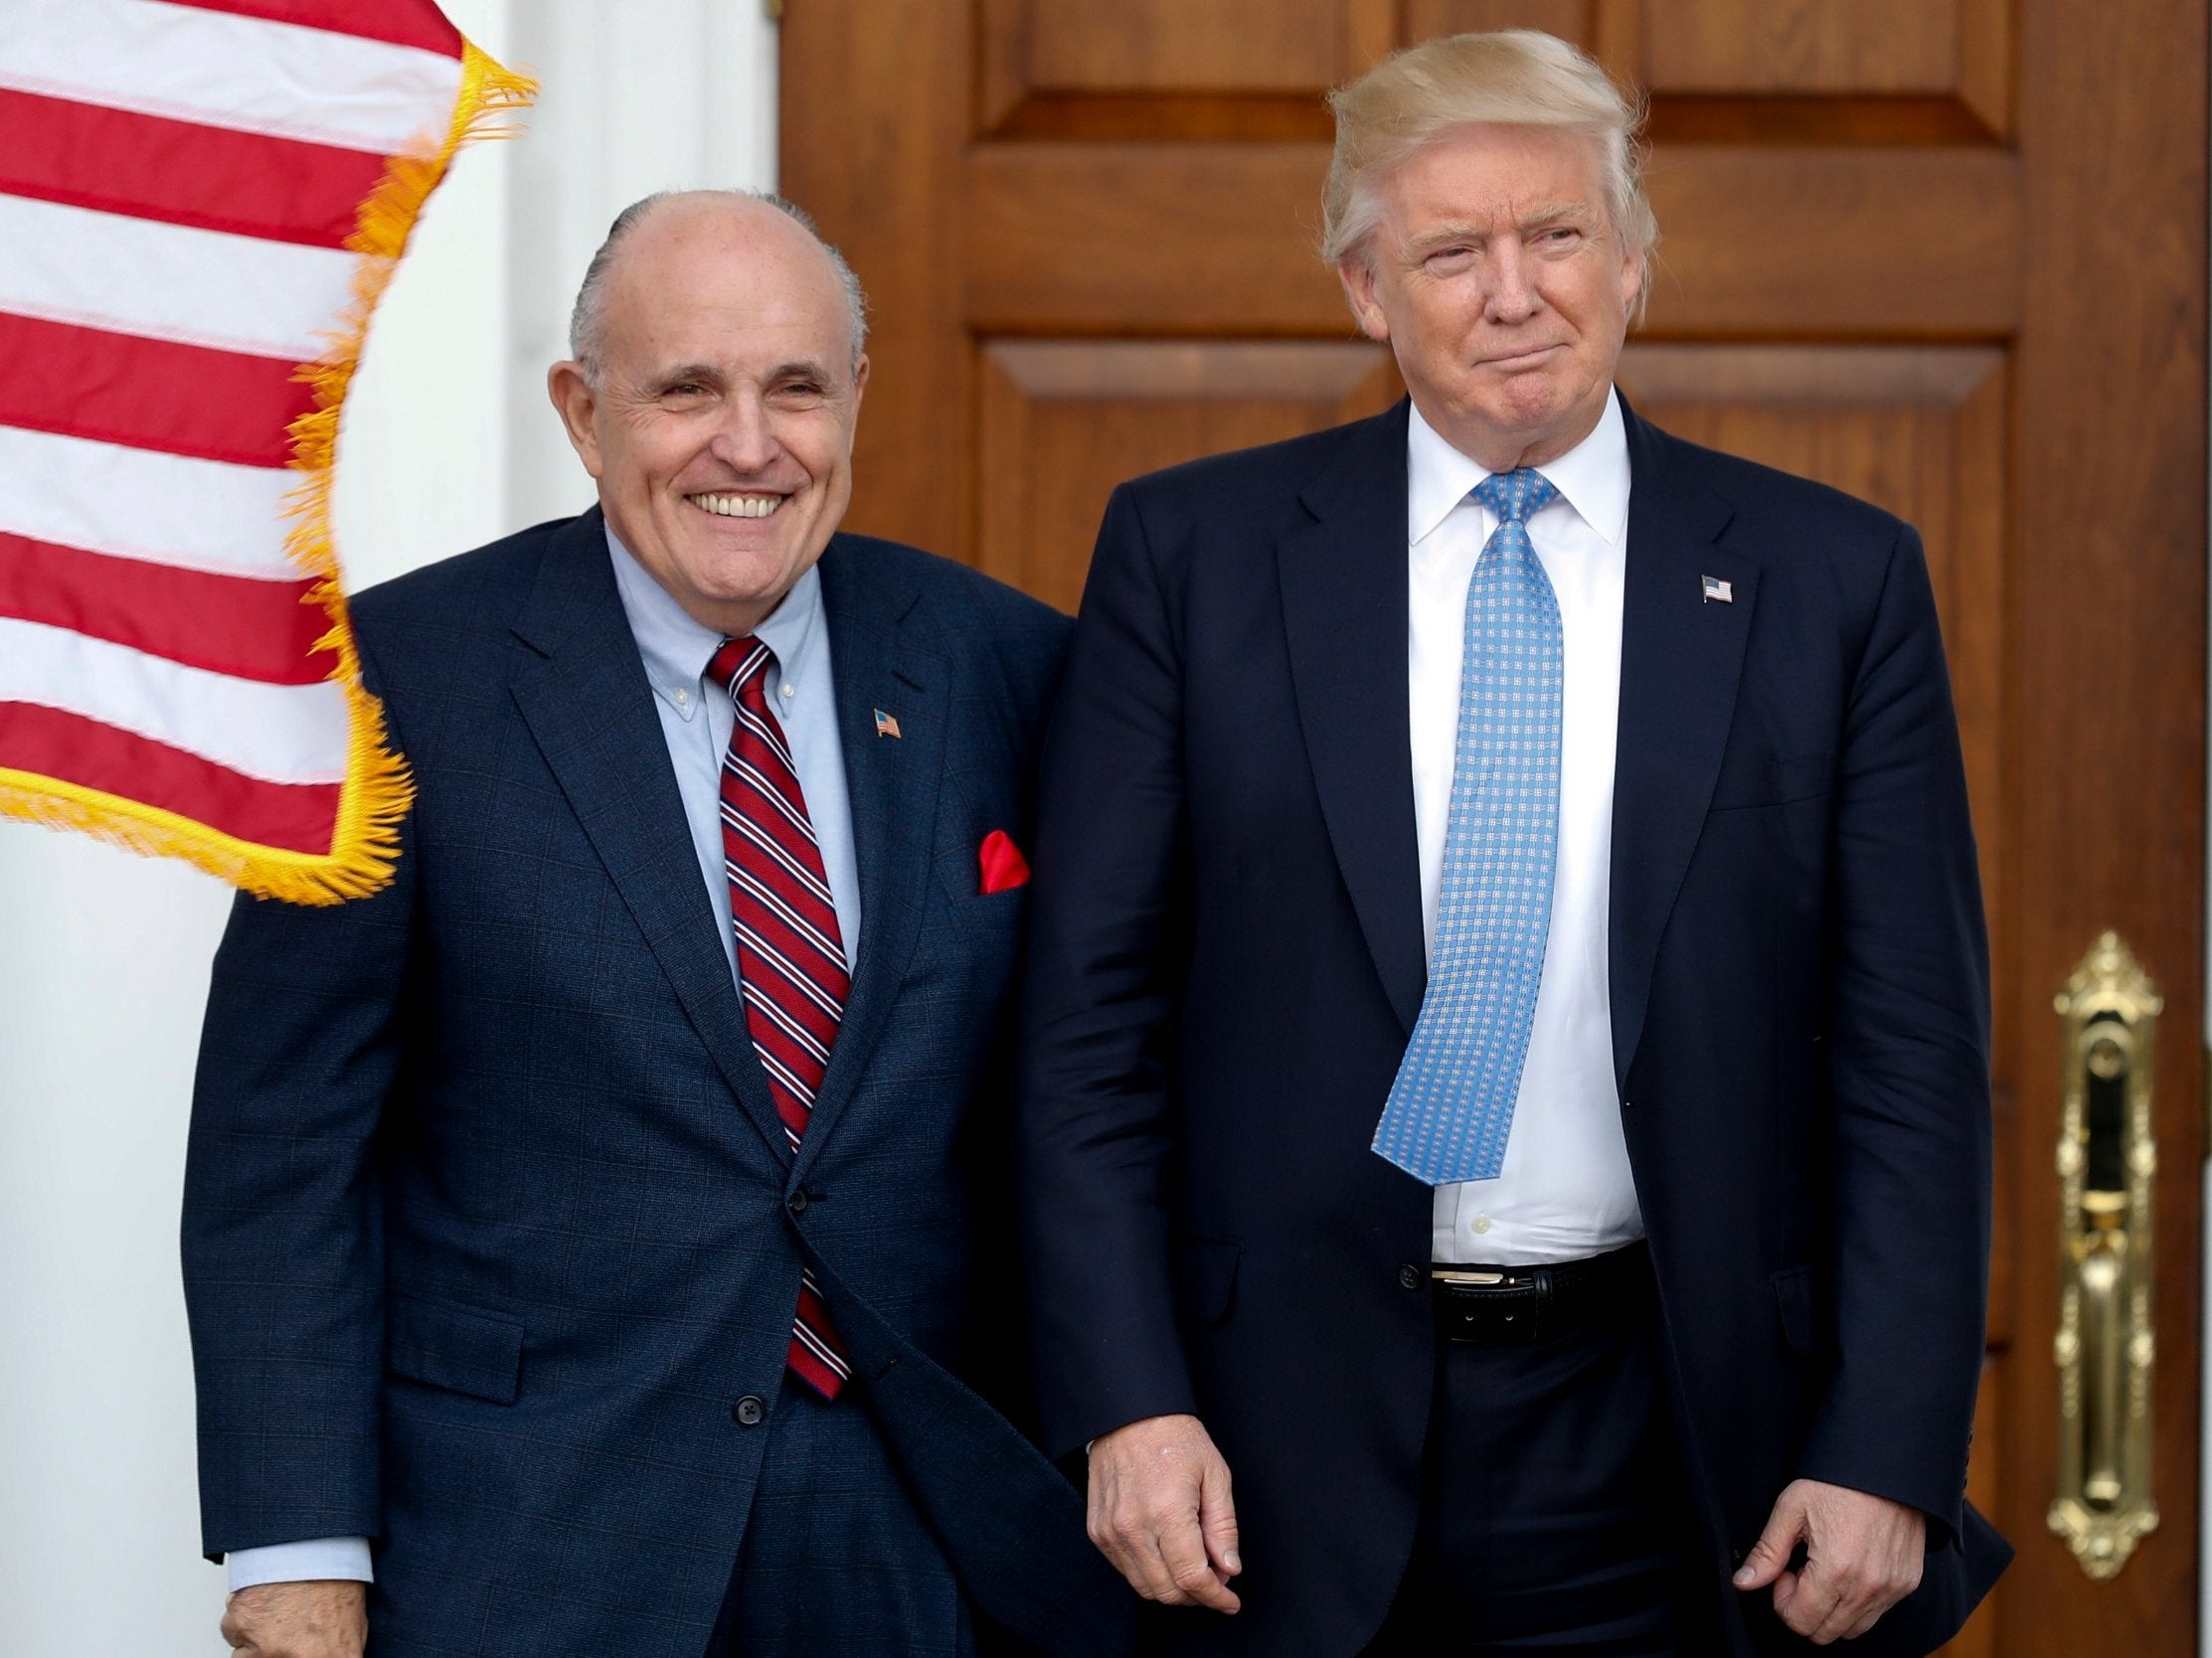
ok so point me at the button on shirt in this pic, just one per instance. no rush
(1565, 1191)
(695, 722)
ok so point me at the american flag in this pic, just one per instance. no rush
(200, 203)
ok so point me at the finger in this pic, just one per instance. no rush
(1217, 1520)
(1769, 1557)
(1183, 1551)
(1785, 1590)
(1847, 1589)
(1810, 1607)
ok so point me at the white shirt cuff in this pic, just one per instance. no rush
(299, 1563)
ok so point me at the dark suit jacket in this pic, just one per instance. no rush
(1226, 962)
(488, 1216)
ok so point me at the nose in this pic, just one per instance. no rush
(743, 438)
(1513, 295)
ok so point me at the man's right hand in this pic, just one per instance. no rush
(1160, 1512)
(325, 1618)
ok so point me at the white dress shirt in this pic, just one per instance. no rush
(695, 720)
(1565, 1189)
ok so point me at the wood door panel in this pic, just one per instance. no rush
(1068, 238)
(1801, 45)
(1896, 59)
(1064, 421)
(1168, 68)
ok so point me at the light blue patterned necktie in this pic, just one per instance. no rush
(1452, 1106)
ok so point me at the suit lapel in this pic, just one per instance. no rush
(893, 783)
(583, 695)
(1344, 597)
(1681, 659)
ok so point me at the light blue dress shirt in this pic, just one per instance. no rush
(695, 722)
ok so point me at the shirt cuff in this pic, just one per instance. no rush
(299, 1563)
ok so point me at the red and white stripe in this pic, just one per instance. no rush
(791, 968)
(177, 182)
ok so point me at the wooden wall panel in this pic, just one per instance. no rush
(1065, 420)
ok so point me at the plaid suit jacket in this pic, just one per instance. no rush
(488, 1218)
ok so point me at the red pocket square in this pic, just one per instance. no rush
(1004, 867)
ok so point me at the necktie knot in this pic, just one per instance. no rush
(1513, 496)
(739, 664)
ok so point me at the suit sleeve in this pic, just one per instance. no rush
(1104, 967)
(282, 1223)
(1908, 1035)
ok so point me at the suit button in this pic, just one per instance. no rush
(750, 1412)
(796, 1203)
(1410, 1277)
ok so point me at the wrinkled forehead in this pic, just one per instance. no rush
(750, 282)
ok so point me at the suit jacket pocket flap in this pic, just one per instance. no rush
(1774, 782)
(1794, 1298)
(1205, 1279)
(458, 1348)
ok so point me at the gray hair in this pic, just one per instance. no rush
(588, 321)
(1512, 78)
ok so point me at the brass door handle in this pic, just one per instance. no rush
(2106, 1347)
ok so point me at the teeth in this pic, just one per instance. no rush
(737, 506)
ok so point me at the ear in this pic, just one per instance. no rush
(1356, 270)
(860, 379)
(577, 406)
(1633, 270)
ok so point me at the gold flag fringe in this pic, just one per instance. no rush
(378, 791)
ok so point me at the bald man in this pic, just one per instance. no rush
(591, 1241)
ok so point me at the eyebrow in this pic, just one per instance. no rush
(1536, 218)
(798, 368)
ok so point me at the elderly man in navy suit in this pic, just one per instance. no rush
(1505, 1062)
(591, 1241)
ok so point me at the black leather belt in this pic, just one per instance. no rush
(1500, 1306)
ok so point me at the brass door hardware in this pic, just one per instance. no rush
(2106, 1347)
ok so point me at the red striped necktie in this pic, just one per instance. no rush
(791, 967)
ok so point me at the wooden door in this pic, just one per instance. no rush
(1945, 253)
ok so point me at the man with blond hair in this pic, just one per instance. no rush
(1505, 1068)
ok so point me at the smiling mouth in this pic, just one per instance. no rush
(737, 506)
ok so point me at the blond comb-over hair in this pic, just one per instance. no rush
(1511, 77)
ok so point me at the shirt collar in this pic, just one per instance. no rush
(1593, 476)
(676, 648)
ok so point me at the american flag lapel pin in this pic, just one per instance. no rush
(886, 724)
(1717, 591)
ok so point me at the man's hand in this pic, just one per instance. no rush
(1863, 1556)
(325, 1618)
(1160, 1512)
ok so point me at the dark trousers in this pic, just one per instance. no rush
(837, 1560)
(1553, 1514)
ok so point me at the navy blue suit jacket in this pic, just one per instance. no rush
(489, 1221)
(1227, 959)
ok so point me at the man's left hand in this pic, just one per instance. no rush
(1862, 1557)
